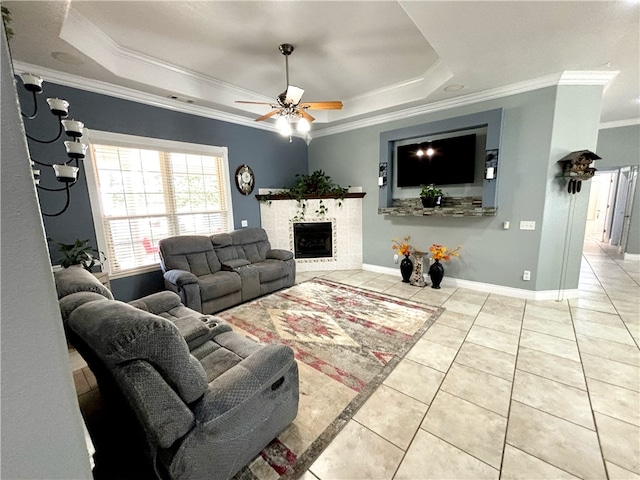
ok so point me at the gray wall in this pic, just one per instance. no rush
(272, 158)
(42, 434)
(620, 147)
(489, 254)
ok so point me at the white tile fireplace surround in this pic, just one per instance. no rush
(346, 224)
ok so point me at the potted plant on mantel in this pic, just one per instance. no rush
(317, 184)
(430, 196)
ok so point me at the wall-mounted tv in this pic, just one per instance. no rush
(447, 161)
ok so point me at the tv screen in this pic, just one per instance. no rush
(446, 161)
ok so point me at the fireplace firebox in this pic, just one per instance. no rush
(313, 240)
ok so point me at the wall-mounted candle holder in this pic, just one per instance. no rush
(65, 173)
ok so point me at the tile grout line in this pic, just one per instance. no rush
(513, 383)
(584, 374)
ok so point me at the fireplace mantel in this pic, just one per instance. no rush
(285, 196)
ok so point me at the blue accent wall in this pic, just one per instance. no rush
(274, 161)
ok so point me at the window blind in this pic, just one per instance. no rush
(147, 195)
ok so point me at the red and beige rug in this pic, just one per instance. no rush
(346, 340)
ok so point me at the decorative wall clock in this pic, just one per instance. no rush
(245, 179)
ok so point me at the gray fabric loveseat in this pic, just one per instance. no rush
(219, 271)
(207, 399)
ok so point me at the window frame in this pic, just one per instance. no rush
(145, 143)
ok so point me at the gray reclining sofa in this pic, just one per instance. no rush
(217, 272)
(206, 399)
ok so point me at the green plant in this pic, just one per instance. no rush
(430, 191)
(317, 183)
(6, 19)
(79, 253)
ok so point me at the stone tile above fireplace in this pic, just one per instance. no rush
(346, 230)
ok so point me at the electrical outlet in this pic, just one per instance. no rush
(244, 223)
(526, 275)
(395, 258)
(527, 225)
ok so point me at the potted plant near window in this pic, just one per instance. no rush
(79, 253)
(430, 196)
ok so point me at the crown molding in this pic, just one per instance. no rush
(132, 95)
(620, 123)
(563, 78)
(587, 77)
(104, 88)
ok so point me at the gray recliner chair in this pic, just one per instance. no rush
(207, 399)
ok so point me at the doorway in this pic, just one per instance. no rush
(610, 202)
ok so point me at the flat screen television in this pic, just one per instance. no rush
(447, 161)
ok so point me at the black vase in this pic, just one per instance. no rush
(406, 267)
(436, 272)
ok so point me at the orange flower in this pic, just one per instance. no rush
(440, 252)
(403, 247)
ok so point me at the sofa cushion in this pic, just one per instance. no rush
(251, 243)
(120, 333)
(223, 246)
(271, 270)
(218, 285)
(77, 279)
(192, 253)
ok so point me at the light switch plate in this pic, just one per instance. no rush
(527, 225)
(244, 223)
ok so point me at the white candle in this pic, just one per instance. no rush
(66, 173)
(75, 149)
(73, 128)
(58, 106)
(32, 83)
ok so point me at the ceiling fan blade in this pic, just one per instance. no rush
(307, 116)
(254, 103)
(294, 94)
(333, 105)
(266, 115)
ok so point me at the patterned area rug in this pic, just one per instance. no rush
(346, 340)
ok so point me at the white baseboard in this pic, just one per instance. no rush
(632, 256)
(487, 287)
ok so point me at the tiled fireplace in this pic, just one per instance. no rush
(332, 241)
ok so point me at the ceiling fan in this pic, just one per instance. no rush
(288, 106)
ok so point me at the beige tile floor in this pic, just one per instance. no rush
(500, 387)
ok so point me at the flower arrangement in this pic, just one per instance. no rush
(440, 252)
(402, 247)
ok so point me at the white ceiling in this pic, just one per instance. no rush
(378, 57)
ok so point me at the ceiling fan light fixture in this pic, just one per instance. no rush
(303, 125)
(283, 126)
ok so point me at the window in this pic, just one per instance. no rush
(150, 189)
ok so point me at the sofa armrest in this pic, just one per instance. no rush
(180, 277)
(244, 380)
(161, 412)
(231, 265)
(157, 303)
(278, 254)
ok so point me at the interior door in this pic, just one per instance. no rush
(620, 208)
(626, 222)
(606, 207)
